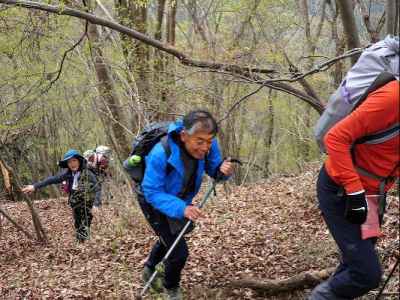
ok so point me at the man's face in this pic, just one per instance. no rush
(73, 164)
(197, 144)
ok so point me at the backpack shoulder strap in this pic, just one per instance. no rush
(382, 79)
(165, 144)
(167, 149)
(381, 136)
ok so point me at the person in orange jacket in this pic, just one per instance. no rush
(363, 162)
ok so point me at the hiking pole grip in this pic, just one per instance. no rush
(220, 176)
(178, 238)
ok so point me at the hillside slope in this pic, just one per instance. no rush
(269, 230)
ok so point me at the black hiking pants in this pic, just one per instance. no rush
(176, 261)
(82, 214)
(359, 270)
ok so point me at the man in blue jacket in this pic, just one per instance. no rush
(170, 182)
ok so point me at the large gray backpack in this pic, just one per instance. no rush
(377, 65)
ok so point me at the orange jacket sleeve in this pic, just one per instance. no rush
(378, 112)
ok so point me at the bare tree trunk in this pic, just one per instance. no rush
(164, 66)
(191, 7)
(133, 14)
(310, 49)
(169, 95)
(245, 23)
(171, 21)
(160, 18)
(339, 45)
(106, 89)
(40, 232)
(44, 158)
(268, 133)
(373, 32)
(160, 64)
(311, 45)
(349, 25)
(392, 16)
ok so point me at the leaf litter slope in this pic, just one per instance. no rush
(268, 230)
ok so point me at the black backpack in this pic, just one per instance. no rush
(142, 145)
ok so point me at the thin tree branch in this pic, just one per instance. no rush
(237, 103)
(64, 57)
(64, 10)
(40, 232)
(307, 87)
(280, 85)
(249, 73)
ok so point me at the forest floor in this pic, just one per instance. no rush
(267, 230)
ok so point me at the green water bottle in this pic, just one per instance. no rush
(134, 160)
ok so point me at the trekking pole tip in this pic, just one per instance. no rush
(138, 297)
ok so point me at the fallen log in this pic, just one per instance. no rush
(272, 287)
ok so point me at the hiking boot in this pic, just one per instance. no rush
(82, 237)
(174, 294)
(82, 234)
(157, 284)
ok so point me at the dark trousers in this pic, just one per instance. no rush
(176, 261)
(360, 270)
(82, 214)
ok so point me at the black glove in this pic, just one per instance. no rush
(176, 225)
(356, 208)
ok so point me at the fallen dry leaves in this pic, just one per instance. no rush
(268, 230)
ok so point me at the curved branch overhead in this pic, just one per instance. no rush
(250, 73)
(186, 60)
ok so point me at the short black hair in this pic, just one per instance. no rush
(200, 120)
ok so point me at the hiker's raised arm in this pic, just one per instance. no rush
(28, 189)
(50, 180)
(214, 160)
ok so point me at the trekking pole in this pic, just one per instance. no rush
(201, 204)
(188, 223)
(387, 279)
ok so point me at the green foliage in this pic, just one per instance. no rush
(55, 115)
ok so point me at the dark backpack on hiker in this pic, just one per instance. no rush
(135, 166)
(142, 144)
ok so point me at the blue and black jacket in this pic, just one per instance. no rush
(161, 187)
